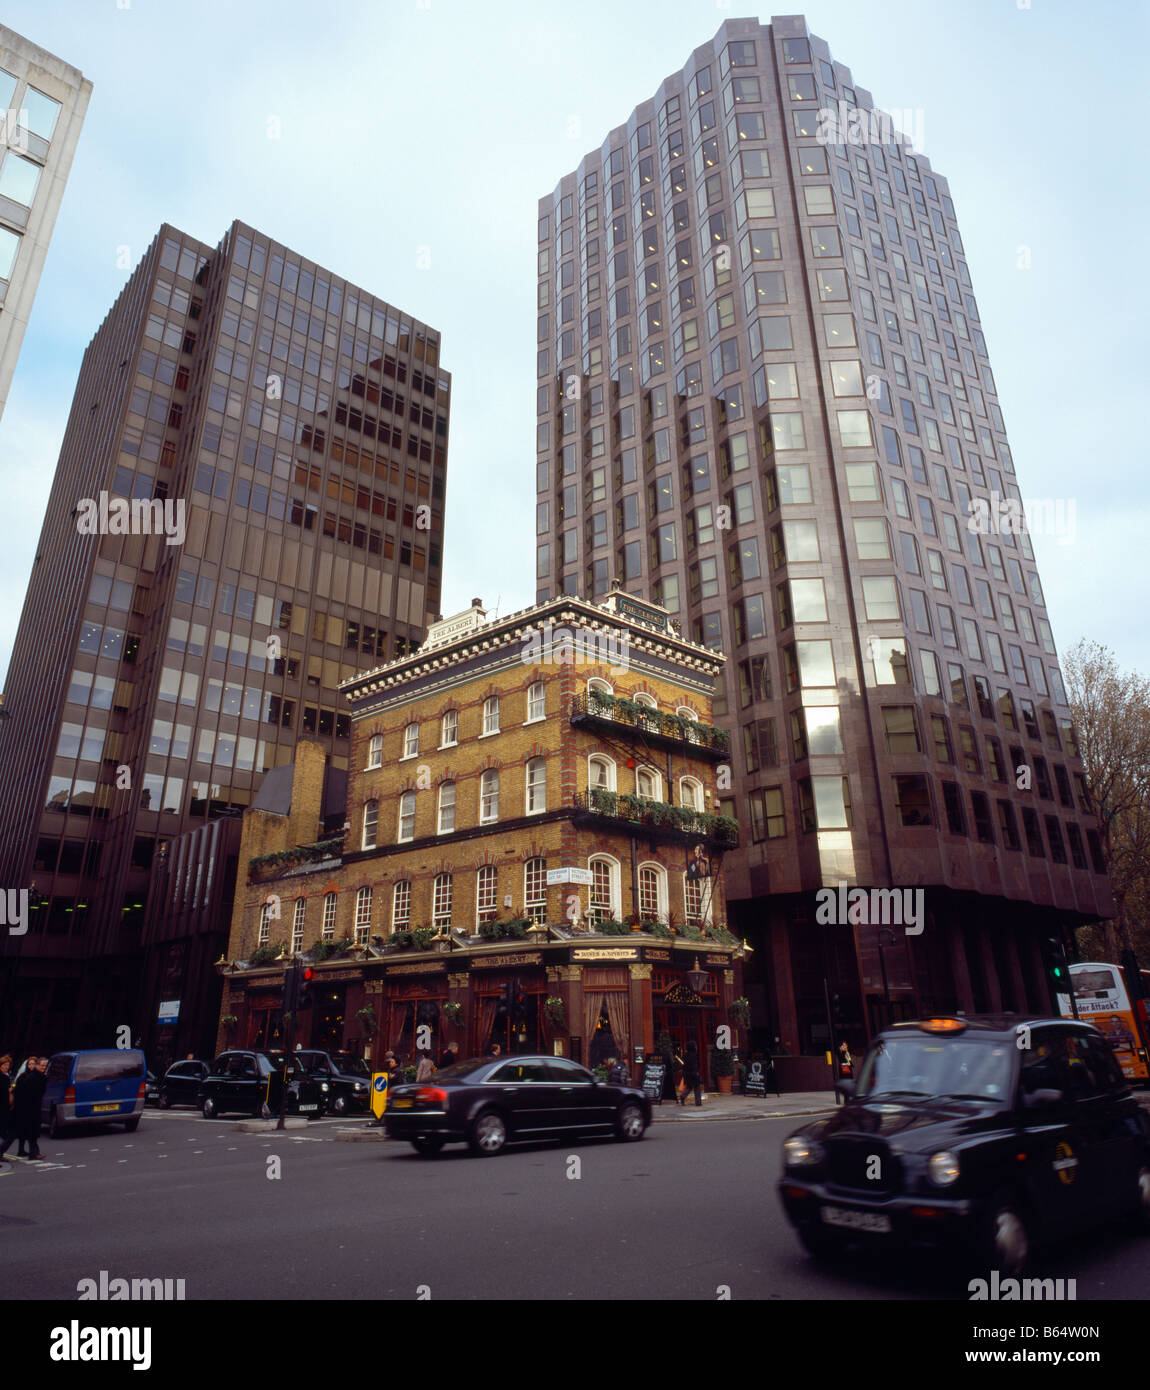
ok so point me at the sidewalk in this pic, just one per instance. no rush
(736, 1107)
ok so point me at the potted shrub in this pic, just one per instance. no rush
(723, 1068)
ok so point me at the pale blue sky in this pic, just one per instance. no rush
(439, 124)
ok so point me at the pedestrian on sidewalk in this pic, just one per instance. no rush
(692, 1074)
(426, 1069)
(846, 1063)
(26, 1097)
(5, 1097)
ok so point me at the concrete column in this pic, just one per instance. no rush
(959, 966)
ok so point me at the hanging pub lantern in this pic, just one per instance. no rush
(697, 978)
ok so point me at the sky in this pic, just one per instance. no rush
(404, 144)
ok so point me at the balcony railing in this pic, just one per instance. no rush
(660, 818)
(677, 728)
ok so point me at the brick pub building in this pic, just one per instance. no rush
(529, 805)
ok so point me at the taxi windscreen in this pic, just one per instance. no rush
(922, 1066)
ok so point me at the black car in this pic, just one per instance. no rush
(251, 1082)
(183, 1084)
(151, 1089)
(979, 1136)
(346, 1080)
(487, 1102)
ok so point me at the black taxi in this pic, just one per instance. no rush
(981, 1136)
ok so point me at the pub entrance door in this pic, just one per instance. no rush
(687, 1024)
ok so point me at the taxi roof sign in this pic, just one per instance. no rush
(942, 1025)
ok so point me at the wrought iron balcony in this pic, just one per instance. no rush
(659, 819)
(656, 726)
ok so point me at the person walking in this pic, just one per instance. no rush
(846, 1062)
(426, 1069)
(617, 1073)
(692, 1074)
(5, 1097)
(450, 1055)
(26, 1097)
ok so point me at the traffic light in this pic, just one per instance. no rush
(306, 983)
(503, 1005)
(291, 988)
(1056, 963)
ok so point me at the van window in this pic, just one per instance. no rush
(108, 1066)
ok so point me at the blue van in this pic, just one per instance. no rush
(94, 1088)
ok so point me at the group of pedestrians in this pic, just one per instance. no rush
(20, 1107)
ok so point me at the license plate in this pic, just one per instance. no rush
(401, 1105)
(114, 1106)
(856, 1220)
(309, 1107)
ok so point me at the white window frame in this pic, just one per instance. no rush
(690, 714)
(401, 905)
(375, 752)
(661, 895)
(490, 716)
(596, 912)
(446, 804)
(530, 788)
(657, 782)
(486, 894)
(601, 760)
(442, 894)
(489, 796)
(370, 837)
(699, 885)
(535, 895)
(536, 695)
(327, 926)
(362, 916)
(698, 801)
(299, 915)
(403, 801)
(450, 721)
(411, 741)
(265, 932)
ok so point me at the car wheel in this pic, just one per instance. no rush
(339, 1105)
(428, 1145)
(821, 1245)
(165, 1101)
(631, 1124)
(55, 1128)
(1142, 1210)
(210, 1108)
(488, 1133)
(130, 1126)
(265, 1110)
(1009, 1241)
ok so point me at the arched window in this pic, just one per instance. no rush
(596, 687)
(691, 793)
(536, 702)
(441, 903)
(652, 904)
(536, 786)
(489, 796)
(407, 816)
(491, 714)
(604, 889)
(411, 741)
(486, 894)
(648, 783)
(601, 772)
(327, 929)
(370, 825)
(446, 808)
(648, 702)
(401, 905)
(449, 728)
(266, 912)
(362, 916)
(535, 890)
(375, 751)
(690, 714)
(297, 924)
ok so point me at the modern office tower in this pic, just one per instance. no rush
(282, 434)
(43, 101)
(765, 402)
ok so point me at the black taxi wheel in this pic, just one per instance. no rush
(488, 1134)
(339, 1105)
(631, 1123)
(209, 1109)
(1008, 1240)
(428, 1145)
(1142, 1210)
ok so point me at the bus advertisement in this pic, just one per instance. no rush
(1103, 1000)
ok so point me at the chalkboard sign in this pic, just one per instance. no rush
(653, 1075)
(756, 1079)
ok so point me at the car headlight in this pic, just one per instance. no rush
(324, 1086)
(943, 1168)
(359, 1086)
(799, 1152)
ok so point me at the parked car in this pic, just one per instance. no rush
(487, 1102)
(346, 1080)
(183, 1084)
(94, 1087)
(981, 1136)
(250, 1082)
(151, 1089)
